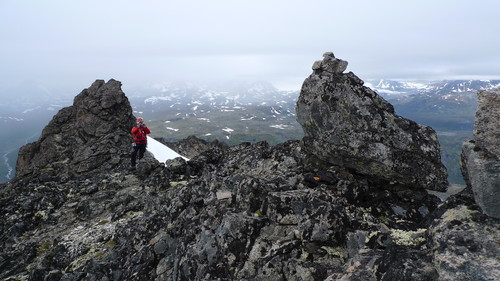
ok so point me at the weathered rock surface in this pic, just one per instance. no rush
(481, 157)
(465, 245)
(236, 213)
(347, 124)
(91, 134)
(486, 130)
(240, 213)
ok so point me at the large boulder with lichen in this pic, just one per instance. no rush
(481, 156)
(91, 134)
(347, 124)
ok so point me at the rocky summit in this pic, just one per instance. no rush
(347, 124)
(245, 212)
(91, 134)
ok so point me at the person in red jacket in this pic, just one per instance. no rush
(140, 132)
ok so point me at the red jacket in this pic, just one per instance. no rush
(140, 134)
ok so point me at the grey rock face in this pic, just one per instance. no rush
(480, 159)
(486, 125)
(347, 124)
(92, 133)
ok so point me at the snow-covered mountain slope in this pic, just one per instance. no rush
(162, 152)
(213, 95)
(391, 89)
(396, 88)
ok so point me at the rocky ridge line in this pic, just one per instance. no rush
(237, 213)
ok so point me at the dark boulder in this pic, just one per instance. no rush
(347, 124)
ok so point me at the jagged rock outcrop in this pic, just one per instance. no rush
(347, 124)
(91, 134)
(481, 156)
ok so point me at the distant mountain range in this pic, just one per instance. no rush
(390, 89)
(250, 112)
(443, 105)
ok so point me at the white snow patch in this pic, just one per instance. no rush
(162, 152)
(274, 111)
(172, 129)
(229, 130)
(156, 99)
(279, 126)
(390, 92)
(415, 85)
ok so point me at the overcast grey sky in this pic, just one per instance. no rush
(147, 41)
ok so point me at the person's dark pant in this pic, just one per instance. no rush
(138, 148)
